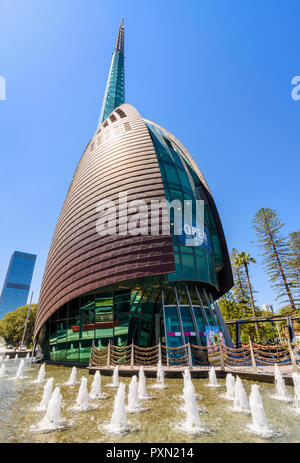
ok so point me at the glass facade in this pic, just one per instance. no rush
(172, 314)
(196, 263)
(17, 282)
(115, 90)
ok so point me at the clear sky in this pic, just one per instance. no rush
(216, 73)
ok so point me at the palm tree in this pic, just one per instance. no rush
(243, 259)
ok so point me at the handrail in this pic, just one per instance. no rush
(219, 355)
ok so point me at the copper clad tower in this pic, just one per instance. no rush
(143, 286)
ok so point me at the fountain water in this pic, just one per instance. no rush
(115, 377)
(16, 357)
(20, 372)
(46, 395)
(82, 401)
(28, 360)
(296, 379)
(160, 376)
(186, 377)
(192, 423)
(72, 379)
(7, 357)
(96, 387)
(259, 424)
(186, 380)
(229, 387)
(2, 370)
(52, 419)
(142, 390)
(133, 396)
(213, 382)
(42, 374)
(280, 388)
(118, 421)
(240, 400)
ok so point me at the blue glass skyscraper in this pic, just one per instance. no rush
(17, 282)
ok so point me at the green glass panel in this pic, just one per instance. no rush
(172, 327)
(72, 351)
(85, 347)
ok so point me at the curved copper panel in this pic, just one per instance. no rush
(79, 259)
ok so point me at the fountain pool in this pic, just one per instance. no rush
(20, 400)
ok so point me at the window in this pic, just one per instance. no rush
(105, 124)
(127, 126)
(113, 118)
(121, 113)
(99, 140)
(92, 146)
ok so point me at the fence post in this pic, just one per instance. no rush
(132, 356)
(159, 353)
(190, 360)
(293, 360)
(222, 357)
(108, 355)
(167, 355)
(253, 360)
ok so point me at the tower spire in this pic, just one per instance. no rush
(114, 94)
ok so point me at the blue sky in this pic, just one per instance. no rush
(216, 73)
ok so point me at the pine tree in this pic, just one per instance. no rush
(294, 261)
(275, 252)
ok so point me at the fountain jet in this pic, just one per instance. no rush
(46, 395)
(20, 372)
(259, 424)
(229, 387)
(42, 374)
(96, 387)
(213, 382)
(296, 379)
(82, 401)
(133, 396)
(192, 424)
(115, 379)
(160, 379)
(142, 390)
(240, 400)
(280, 388)
(2, 370)
(72, 379)
(52, 419)
(118, 423)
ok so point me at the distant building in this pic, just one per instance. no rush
(17, 282)
(267, 308)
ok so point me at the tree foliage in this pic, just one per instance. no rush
(243, 260)
(294, 261)
(12, 325)
(276, 254)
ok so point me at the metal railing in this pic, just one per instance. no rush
(249, 355)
